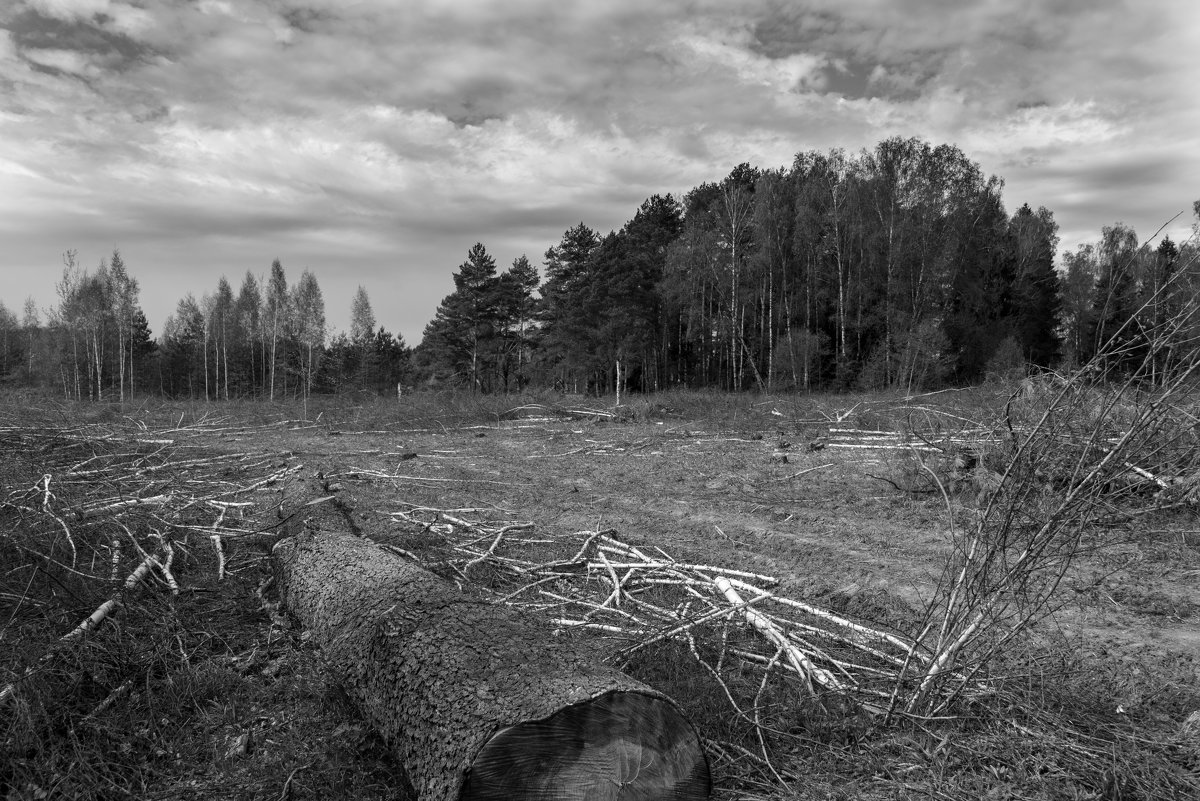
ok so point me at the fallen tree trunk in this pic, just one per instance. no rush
(478, 704)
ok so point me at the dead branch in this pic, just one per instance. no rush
(89, 624)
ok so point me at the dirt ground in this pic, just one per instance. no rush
(766, 493)
(826, 522)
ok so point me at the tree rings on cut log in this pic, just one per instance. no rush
(477, 702)
(626, 746)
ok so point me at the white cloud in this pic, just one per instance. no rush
(71, 61)
(69, 9)
(1071, 123)
(129, 20)
(120, 17)
(784, 75)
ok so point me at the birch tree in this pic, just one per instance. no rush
(248, 316)
(31, 324)
(308, 320)
(221, 320)
(123, 297)
(277, 314)
(362, 336)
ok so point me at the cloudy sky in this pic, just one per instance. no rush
(374, 141)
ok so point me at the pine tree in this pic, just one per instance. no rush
(460, 337)
(516, 310)
(1038, 294)
(183, 350)
(390, 361)
(1165, 299)
(980, 306)
(568, 319)
(1114, 336)
(142, 349)
(11, 356)
(626, 270)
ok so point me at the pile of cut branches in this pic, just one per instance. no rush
(616, 588)
(753, 645)
(95, 514)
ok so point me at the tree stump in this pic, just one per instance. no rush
(477, 703)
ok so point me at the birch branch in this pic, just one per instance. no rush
(802, 664)
(89, 624)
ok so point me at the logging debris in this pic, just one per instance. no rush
(639, 596)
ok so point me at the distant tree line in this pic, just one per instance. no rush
(267, 341)
(896, 267)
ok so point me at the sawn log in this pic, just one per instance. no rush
(476, 702)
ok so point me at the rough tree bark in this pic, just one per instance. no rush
(478, 704)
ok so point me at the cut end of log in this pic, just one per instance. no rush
(625, 746)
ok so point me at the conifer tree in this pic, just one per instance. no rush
(568, 319)
(459, 338)
(390, 360)
(10, 341)
(1037, 295)
(629, 266)
(183, 350)
(1165, 299)
(516, 309)
(1113, 334)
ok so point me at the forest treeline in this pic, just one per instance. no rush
(891, 267)
(268, 340)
